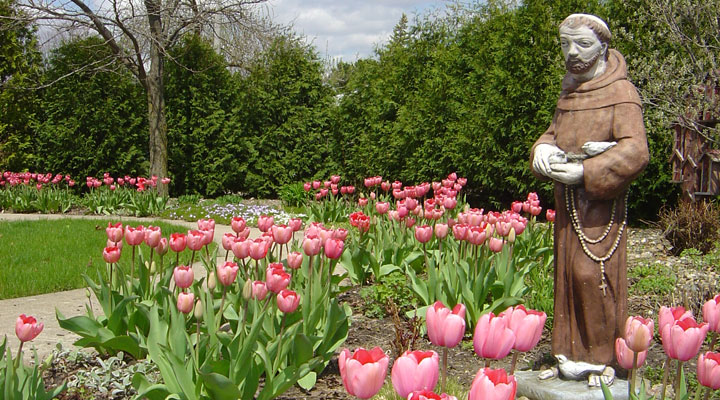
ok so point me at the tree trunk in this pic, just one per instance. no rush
(156, 99)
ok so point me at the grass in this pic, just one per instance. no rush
(454, 388)
(652, 278)
(47, 256)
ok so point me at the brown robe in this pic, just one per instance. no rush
(606, 108)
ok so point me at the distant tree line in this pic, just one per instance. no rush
(466, 89)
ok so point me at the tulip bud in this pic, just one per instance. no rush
(212, 281)
(153, 268)
(511, 236)
(199, 311)
(247, 289)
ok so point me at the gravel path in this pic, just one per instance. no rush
(72, 302)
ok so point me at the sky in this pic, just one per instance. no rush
(346, 29)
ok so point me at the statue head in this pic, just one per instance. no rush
(584, 41)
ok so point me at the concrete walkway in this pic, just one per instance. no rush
(72, 302)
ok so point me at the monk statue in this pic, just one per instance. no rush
(593, 149)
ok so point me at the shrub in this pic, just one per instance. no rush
(691, 225)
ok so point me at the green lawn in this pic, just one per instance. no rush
(47, 256)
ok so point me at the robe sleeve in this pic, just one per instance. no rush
(547, 137)
(610, 173)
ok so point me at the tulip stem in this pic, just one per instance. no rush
(192, 258)
(633, 371)
(132, 266)
(197, 346)
(444, 366)
(310, 280)
(677, 378)
(707, 393)
(513, 363)
(276, 366)
(19, 356)
(665, 378)
(226, 254)
(487, 363)
(222, 304)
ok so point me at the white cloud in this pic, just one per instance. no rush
(346, 29)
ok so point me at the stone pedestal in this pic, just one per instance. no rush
(529, 386)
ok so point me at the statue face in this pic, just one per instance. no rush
(581, 48)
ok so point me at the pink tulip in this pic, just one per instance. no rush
(184, 276)
(281, 233)
(363, 372)
(476, 235)
(295, 224)
(415, 370)
(445, 327)
(276, 279)
(625, 356)
(516, 206)
(294, 259)
(335, 179)
(340, 233)
(382, 207)
(550, 215)
(492, 338)
(311, 245)
(258, 249)
(195, 240)
(152, 236)
(227, 272)
(241, 248)
(114, 232)
(493, 384)
(682, 340)
(162, 246)
(119, 244)
(259, 290)
(208, 235)
(423, 234)
(460, 231)
(670, 315)
(639, 333)
(288, 301)
(178, 241)
(134, 236)
(206, 224)
(265, 222)
(307, 186)
(227, 241)
(495, 244)
(334, 248)
(711, 313)
(111, 255)
(245, 233)
(185, 302)
(441, 230)
(527, 325)
(362, 202)
(237, 224)
(708, 370)
(429, 395)
(450, 203)
(27, 328)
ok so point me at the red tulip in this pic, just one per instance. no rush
(625, 356)
(334, 248)
(259, 290)
(363, 372)
(238, 224)
(153, 236)
(265, 222)
(708, 370)
(441, 230)
(423, 234)
(711, 313)
(195, 240)
(134, 236)
(206, 224)
(114, 232)
(27, 328)
(312, 245)
(445, 327)
(178, 241)
(492, 338)
(227, 272)
(276, 279)
(415, 370)
(682, 340)
(258, 249)
(288, 301)
(185, 302)
(670, 315)
(184, 276)
(294, 259)
(360, 221)
(493, 384)
(527, 325)
(429, 395)
(282, 234)
(639, 333)
(550, 215)
(111, 254)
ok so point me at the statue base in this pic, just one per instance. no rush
(530, 386)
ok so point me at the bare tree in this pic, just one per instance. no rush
(141, 32)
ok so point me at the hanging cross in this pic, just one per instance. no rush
(603, 286)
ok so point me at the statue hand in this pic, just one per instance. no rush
(567, 173)
(544, 154)
(594, 148)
